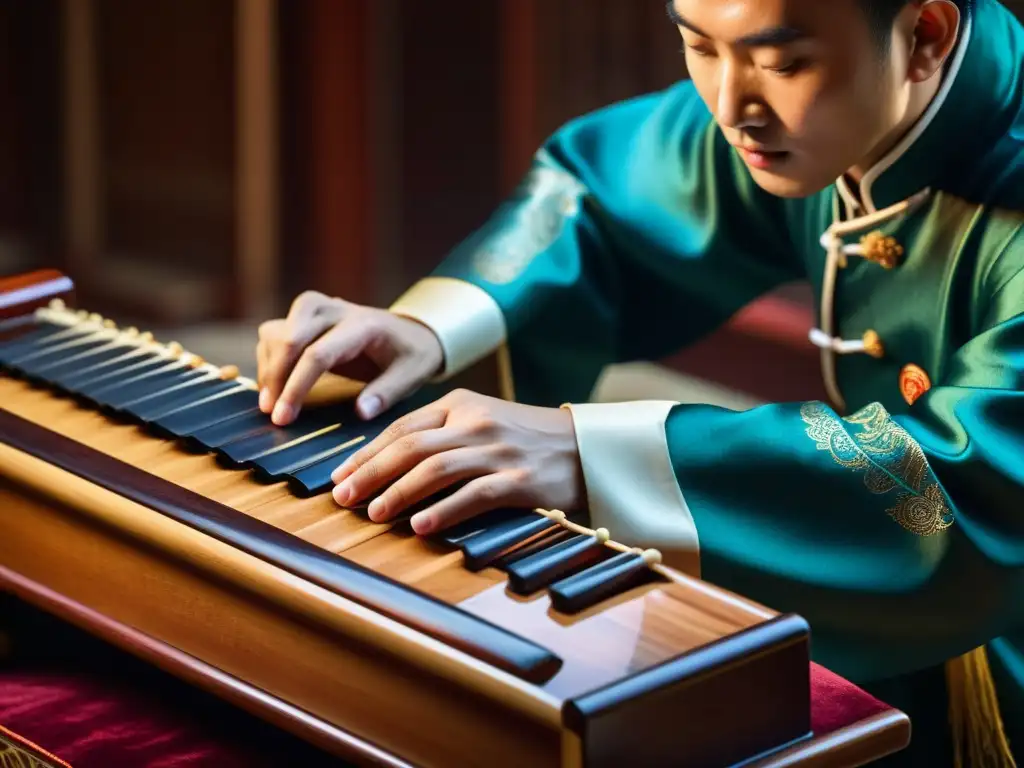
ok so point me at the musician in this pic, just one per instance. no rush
(872, 147)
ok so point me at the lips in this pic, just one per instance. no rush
(761, 157)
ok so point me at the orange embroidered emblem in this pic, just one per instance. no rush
(914, 382)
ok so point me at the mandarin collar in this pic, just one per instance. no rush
(976, 101)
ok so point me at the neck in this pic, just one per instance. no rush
(921, 95)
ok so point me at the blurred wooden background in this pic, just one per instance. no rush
(197, 161)
(190, 160)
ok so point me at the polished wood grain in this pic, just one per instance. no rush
(377, 633)
(857, 744)
(192, 670)
(740, 678)
(332, 658)
(273, 545)
(860, 743)
(641, 628)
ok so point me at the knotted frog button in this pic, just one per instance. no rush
(873, 344)
(881, 249)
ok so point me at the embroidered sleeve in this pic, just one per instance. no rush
(891, 462)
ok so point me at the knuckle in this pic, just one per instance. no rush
(395, 497)
(319, 357)
(268, 330)
(291, 346)
(482, 425)
(506, 453)
(409, 444)
(437, 466)
(490, 491)
(308, 300)
(371, 471)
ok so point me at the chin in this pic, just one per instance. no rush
(789, 185)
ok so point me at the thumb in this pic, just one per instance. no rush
(397, 381)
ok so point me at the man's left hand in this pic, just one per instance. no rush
(506, 454)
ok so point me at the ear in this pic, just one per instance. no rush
(934, 37)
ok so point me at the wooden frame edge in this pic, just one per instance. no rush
(222, 562)
(194, 671)
(775, 657)
(846, 747)
(483, 640)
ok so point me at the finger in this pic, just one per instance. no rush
(475, 498)
(393, 384)
(422, 419)
(286, 343)
(430, 476)
(266, 330)
(260, 362)
(339, 345)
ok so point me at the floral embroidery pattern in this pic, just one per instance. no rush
(869, 441)
(12, 756)
(548, 197)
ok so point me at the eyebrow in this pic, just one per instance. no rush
(771, 36)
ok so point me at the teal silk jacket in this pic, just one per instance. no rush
(891, 517)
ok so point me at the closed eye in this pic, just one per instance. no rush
(789, 69)
(698, 51)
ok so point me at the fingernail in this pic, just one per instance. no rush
(370, 407)
(283, 413)
(422, 524)
(265, 403)
(342, 493)
(376, 508)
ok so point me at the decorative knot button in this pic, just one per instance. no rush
(873, 344)
(881, 249)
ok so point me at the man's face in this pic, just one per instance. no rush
(801, 87)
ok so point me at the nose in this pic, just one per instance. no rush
(738, 105)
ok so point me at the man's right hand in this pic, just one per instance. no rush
(393, 354)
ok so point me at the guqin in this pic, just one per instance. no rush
(144, 497)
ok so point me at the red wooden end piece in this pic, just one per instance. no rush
(23, 294)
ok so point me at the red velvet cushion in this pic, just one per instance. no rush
(95, 707)
(836, 703)
(91, 721)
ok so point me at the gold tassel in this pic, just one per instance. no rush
(979, 739)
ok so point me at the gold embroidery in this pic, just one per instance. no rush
(548, 197)
(18, 752)
(13, 756)
(891, 460)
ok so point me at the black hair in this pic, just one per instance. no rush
(882, 13)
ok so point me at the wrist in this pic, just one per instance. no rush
(569, 444)
(465, 320)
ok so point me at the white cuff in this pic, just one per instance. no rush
(466, 320)
(631, 487)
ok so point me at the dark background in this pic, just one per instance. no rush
(190, 162)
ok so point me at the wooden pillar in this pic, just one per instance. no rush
(337, 143)
(256, 187)
(520, 89)
(83, 212)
